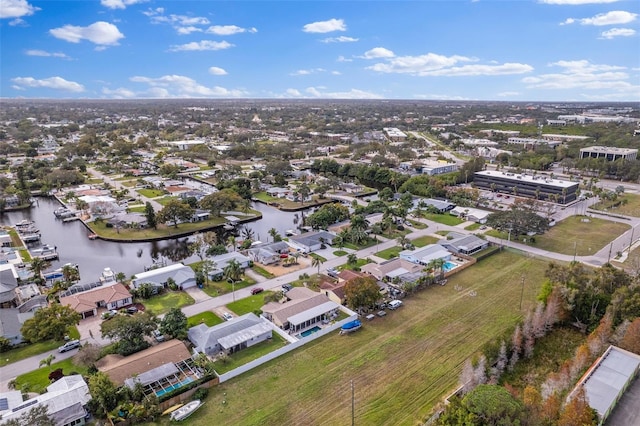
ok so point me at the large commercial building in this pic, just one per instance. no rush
(609, 153)
(539, 187)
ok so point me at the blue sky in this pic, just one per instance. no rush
(511, 50)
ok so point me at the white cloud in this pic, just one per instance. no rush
(615, 17)
(336, 73)
(341, 39)
(217, 71)
(16, 9)
(577, 2)
(617, 32)
(35, 52)
(101, 33)
(229, 30)
(433, 64)
(188, 30)
(583, 75)
(343, 59)
(508, 94)
(439, 97)
(307, 72)
(202, 45)
(178, 20)
(317, 92)
(22, 83)
(325, 26)
(119, 93)
(378, 52)
(294, 93)
(179, 86)
(120, 4)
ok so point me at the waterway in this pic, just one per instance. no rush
(92, 256)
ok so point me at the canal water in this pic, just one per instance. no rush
(92, 256)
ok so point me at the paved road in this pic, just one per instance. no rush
(210, 303)
(119, 186)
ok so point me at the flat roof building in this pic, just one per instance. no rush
(609, 153)
(539, 187)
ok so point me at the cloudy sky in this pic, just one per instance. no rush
(519, 50)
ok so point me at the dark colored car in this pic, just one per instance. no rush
(257, 290)
(132, 310)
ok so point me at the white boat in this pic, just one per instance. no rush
(186, 410)
(107, 276)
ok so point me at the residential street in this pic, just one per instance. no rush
(206, 303)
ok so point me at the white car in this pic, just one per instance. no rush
(227, 316)
(71, 344)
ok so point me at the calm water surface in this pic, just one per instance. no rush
(92, 256)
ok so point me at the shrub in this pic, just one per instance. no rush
(201, 393)
(5, 344)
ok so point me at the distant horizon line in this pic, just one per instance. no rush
(317, 100)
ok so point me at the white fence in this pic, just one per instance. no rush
(290, 347)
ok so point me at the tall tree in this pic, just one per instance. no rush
(104, 395)
(51, 322)
(316, 261)
(233, 270)
(577, 411)
(175, 211)
(362, 292)
(150, 214)
(37, 416)
(129, 331)
(174, 324)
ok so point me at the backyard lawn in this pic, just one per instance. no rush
(389, 253)
(207, 317)
(445, 219)
(424, 240)
(249, 354)
(401, 365)
(38, 380)
(169, 299)
(216, 288)
(582, 237)
(627, 204)
(248, 304)
(261, 271)
(100, 228)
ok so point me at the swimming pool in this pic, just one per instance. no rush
(174, 386)
(448, 266)
(310, 331)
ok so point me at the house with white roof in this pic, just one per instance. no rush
(182, 275)
(424, 255)
(470, 213)
(463, 244)
(231, 336)
(65, 400)
(304, 309)
(391, 268)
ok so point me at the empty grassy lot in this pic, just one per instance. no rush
(401, 365)
(628, 204)
(445, 218)
(162, 303)
(207, 317)
(585, 237)
(424, 240)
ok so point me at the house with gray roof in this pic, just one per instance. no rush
(231, 336)
(464, 244)
(424, 255)
(8, 284)
(311, 241)
(442, 206)
(268, 253)
(391, 268)
(182, 275)
(221, 261)
(304, 309)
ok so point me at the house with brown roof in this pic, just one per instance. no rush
(86, 303)
(334, 290)
(120, 368)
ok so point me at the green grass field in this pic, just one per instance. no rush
(585, 238)
(32, 349)
(216, 288)
(263, 272)
(389, 253)
(150, 193)
(249, 354)
(170, 299)
(248, 304)
(207, 317)
(628, 204)
(401, 365)
(38, 380)
(472, 227)
(424, 240)
(445, 219)
(163, 231)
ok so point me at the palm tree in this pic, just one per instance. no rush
(70, 273)
(233, 270)
(358, 235)
(439, 265)
(359, 222)
(248, 234)
(207, 265)
(352, 259)
(36, 266)
(403, 241)
(232, 242)
(47, 361)
(295, 255)
(317, 261)
(274, 234)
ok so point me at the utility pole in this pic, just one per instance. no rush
(353, 406)
(575, 250)
(631, 242)
(521, 292)
(610, 248)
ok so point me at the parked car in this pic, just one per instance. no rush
(71, 344)
(332, 272)
(227, 316)
(286, 287)
(395, 304)
(158, 336)
(257, 290)
(132, 310)
(381, 313)
(109, 314)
